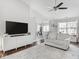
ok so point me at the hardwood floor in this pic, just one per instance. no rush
(47, 52)
(42, 51)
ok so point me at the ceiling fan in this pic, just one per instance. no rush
(56, 7)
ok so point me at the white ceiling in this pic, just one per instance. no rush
(43, 7)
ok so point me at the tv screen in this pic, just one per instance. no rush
(16, 27)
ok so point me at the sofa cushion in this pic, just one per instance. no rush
(52, 36)
(61, 36)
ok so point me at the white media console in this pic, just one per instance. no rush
(11, 42)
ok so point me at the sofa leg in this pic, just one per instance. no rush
(67, 48)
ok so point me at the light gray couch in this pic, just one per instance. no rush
(58, 40)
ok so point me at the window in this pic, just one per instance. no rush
(62, 27)
(68, 27)
(72, 28)
(46, 28)
(38, 28)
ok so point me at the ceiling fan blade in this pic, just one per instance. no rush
(59, 5)
(62, 8)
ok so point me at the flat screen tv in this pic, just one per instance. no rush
(16, 27)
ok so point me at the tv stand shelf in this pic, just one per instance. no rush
(18, 35)
(15, 35)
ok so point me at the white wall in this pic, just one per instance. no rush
(16, 10)
(13, 10)
(19, 11)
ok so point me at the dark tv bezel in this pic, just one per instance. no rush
(15, 33)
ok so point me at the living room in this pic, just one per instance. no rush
(45, 29)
